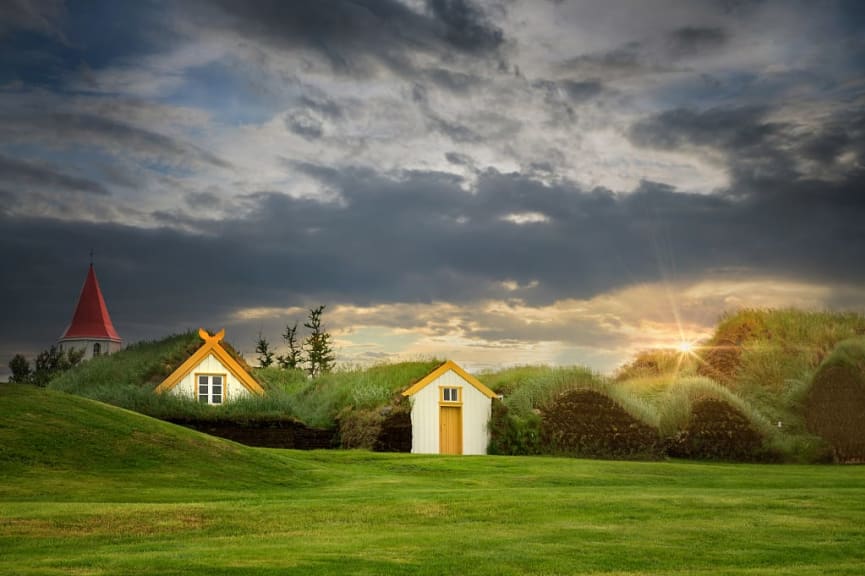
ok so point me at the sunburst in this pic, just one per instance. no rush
(686, 347)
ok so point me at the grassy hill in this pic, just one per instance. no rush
(92, 489)
(91, 449)
(753, 374)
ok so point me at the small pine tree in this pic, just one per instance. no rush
(20, 367)
(319, 354)
(262, 348)
(294, 358)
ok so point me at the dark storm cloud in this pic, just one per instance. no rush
(312, 113)
(581, 91)
(757, 150)
(692, 41)
(456, 82)
(456, 131)
(420, 237)
(346, 32)
(66, 129)
(43, 16)
(561, 97)
(28, 175)
(726, 128)
(793, 207)
(459, 159)
(466, 26)
(202, 200)
(652, 55)
(304, 124)
(754, 149)
(323, 105)
(625, 60)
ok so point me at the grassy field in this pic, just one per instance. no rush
(91, 489)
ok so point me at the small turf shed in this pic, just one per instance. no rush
(211, 374)
(450, 412)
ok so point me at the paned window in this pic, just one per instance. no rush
(210, 388)
(450, 394)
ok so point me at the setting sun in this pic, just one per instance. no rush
(685, 347)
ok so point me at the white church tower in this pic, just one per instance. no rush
(91, 328)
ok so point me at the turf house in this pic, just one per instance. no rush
(211, 374)
(450, 412)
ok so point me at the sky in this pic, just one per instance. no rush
(497, 182)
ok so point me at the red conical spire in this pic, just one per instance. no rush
(91, 319)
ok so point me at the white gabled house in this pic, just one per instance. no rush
(211, 375)
(450, 412)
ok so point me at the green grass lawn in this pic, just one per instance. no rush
(86, 488)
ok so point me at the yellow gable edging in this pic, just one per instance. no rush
(175, 377)
(447, 366)
(235, 368)
(211, 345)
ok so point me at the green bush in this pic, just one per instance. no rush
(512, 434)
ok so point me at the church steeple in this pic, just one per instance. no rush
(91, 327)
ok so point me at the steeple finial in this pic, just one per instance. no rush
(91, 256)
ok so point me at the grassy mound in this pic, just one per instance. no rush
(127, 379)
(717, 431)
(768, 348)
(768, 358)
(138, 367)
(835, 403)
(587, 423)
(515, 425)
(703, 420)
(569, 411)
(45, 431)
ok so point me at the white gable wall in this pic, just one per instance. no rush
(233, 388)
(476, 412)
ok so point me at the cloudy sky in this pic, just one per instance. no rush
(494, 181)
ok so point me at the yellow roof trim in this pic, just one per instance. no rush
(211, 346)
(448, 366)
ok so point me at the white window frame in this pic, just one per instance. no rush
(209, 383)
